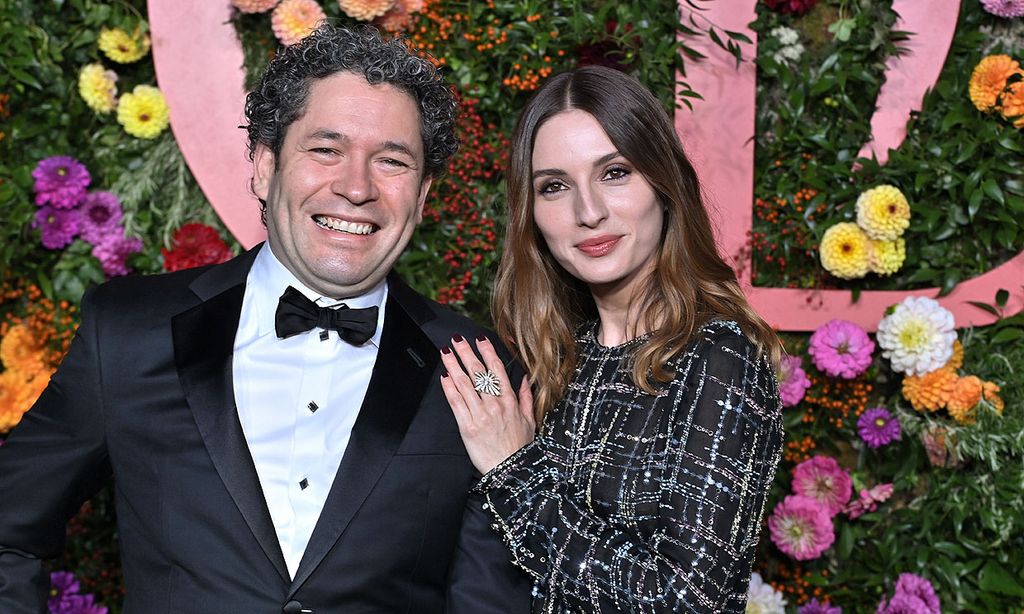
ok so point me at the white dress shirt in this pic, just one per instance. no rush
(298, 399)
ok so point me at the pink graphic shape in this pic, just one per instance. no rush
(199, 66)
(718, 136)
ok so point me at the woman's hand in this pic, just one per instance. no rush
(493, 427)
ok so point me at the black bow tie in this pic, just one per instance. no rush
(297, 314)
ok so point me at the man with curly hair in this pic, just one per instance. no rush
(275, 425)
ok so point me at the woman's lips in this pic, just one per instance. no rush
(598, 246)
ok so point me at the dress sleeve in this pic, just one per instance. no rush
(724, 436)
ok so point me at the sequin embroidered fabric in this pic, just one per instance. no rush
(630, 502)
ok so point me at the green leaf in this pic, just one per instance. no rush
(1007, 334)
(994, 192)
(1002, 295)
(994, 578)
(985, 307)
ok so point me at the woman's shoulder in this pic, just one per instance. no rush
(719, 335)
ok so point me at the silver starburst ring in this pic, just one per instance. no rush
(486, 382)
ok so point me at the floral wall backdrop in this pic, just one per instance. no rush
(902, 487)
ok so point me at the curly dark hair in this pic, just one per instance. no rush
(280, 97)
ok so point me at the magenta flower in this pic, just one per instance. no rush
(841, 349)
(868, 500)
(877, 427)
(801, 527)
(113, 253)
(65, 598)
(101, 215)
(60, 181)
(57, 227)
(902, 603)
(916, 586)
(1004, 8)
(793, 382)
(813, 607)
(822, 479)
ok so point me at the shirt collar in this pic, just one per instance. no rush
(269, 278)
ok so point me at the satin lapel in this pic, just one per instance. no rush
(404, 369)
(204, 339)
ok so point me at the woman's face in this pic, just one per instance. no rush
(599, 216)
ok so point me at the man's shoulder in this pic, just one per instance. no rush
(438, 321)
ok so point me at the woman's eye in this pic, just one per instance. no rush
(551, 187)
(616, 172)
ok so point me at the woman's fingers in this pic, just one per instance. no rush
(493, 363)
(526, 402)
(458, 380)
(463, 416)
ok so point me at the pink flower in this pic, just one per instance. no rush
(793, 382)
(868, 501)
(801, 527)
(822, 479)
(1004, 8)
(841, 349)
(113, 253)
(916, 586)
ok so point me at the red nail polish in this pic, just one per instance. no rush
(446, 350)
(481, 337)
(457, 338)
(444, 375)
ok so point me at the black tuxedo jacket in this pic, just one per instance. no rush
(145, 394)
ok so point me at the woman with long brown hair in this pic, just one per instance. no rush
(653, 379)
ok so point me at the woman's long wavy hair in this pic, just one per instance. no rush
(538, 306)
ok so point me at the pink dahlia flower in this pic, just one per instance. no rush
(916, 586)
(793, 382)
(801, 527)
(1004, 8)
(841, 349)
(60, 181)
(868, 500)
(822, 479)
(113, 253)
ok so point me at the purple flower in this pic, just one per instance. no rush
(877, 427)
(793, 382)
(57, 227)
(101, 215)
(78, 604)
(916, 586)
(902, 603)
(113, 253)
(60, 181)
(813, 607)
(1004, 8)
(62, 583)
(801, 527)
(822, 479)
(841, 349)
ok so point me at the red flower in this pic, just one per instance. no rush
(195, 245)
(796, 7)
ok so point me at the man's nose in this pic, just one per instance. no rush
(355, 182)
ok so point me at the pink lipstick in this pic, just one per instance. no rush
(598, 246)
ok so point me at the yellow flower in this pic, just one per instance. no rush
(254, 6)
(989, 80)
(143, 113)
(883, 213)
(293, 20)
(886, 257)
(123, 48)
(844, 251)
(21, 351)
(18, 393)
(965, 396)
(98, 87)
(929, 391)
(1013, 104)
(957, 360)
(365, 10)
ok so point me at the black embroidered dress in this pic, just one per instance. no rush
(628, 502)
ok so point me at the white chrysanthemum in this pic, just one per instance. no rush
(762, 598)
(786, 36)
(790, 53)
(917, 337)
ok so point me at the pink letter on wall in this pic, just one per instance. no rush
(718, 135)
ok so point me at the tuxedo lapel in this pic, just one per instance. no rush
(204, 339)
(401, 375)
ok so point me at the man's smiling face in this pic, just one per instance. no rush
(347, 190)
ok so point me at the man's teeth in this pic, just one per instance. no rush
(342, 225)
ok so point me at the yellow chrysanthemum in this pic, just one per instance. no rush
(254, 6)
(1012, 104)
(989, 80)
(930, 391)
(957, 360)
(143, 113)
(886, 257)
(122, 47)
(844, 251)
(965, 396)
(883, 213)
(98, 87)
(293, 20)
(365, 10)
(990, 392)
(21, 351)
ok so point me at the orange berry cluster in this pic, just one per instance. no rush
(53, 325)
(527, 79)
(837, 397)
(793, 582)
(799, 451)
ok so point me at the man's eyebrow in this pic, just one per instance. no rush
(399, 147)
(323, 134)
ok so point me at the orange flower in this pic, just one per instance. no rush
(965, 397)
(293, 20)
(957, 359)
(253, 6)
(989, 392)
(399, 18)
(930, 391)
(1013, 104)
(989, 80)
(12, 391)
(21, 351)
(365, 10)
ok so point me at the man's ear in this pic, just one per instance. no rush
(424, 189)
(263, 165)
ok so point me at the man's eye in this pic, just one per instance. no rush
(393, 162)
